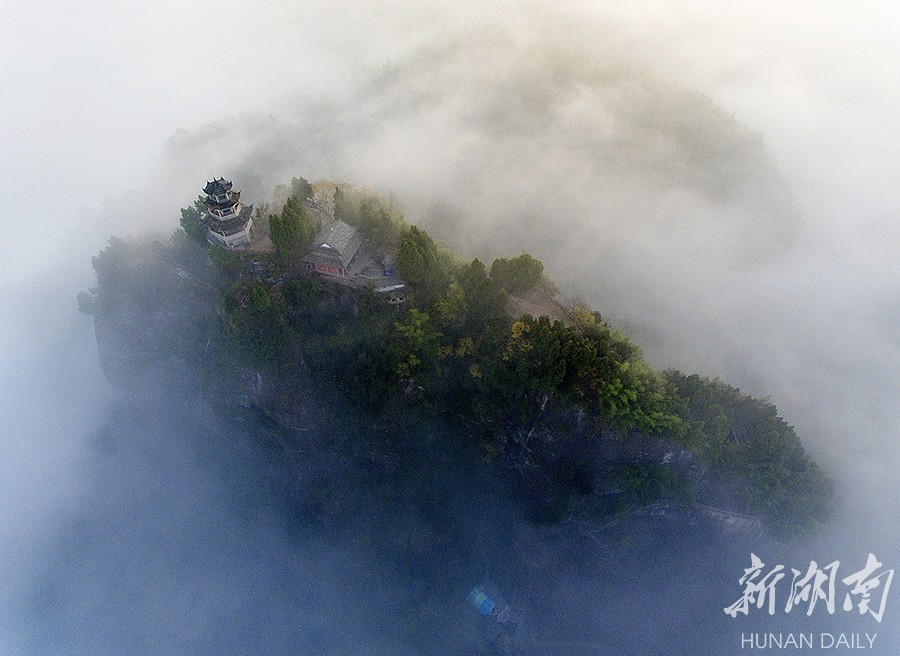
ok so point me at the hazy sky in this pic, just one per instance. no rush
(92, 91)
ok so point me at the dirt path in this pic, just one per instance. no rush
(538, 304)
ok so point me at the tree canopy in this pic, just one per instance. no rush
(190, 221)
(293, 230)
(376, 217)
(301, 189)
(454, 351)
(517, 274)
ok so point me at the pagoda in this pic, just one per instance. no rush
(227, 220)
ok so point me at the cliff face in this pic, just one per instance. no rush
(150, 312)
(157, 318)
(414, 497)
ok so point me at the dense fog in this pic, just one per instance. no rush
(717, 181)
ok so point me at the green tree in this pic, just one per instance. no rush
(228, 262)
(451, 307)
(301, 189)
(293, 230)
(260, 300)
(376, 218)
(190, 221)
(517, 274)
(379, 222)
(485, 312)
(410, 259)
(747, 436)
(277, 233)
(303, 293)
(422, 263)
(419, 339)
(644, 483)
(344, 207)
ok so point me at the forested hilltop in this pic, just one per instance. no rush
(562, 408)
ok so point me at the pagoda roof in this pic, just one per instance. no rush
(217, 186)
(235, 198)
(230, 225)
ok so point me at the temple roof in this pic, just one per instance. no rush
(217, 186)
(235, 198)
(339, 239)
(231, 225)
(319, 257)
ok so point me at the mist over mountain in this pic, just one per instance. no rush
(611, 142)
(493, 133)
(641, 195)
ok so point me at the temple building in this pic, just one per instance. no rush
(336, 244)
(227, 220)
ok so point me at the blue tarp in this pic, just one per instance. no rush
(479, 599)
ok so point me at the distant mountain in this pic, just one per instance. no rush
(505, 142)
